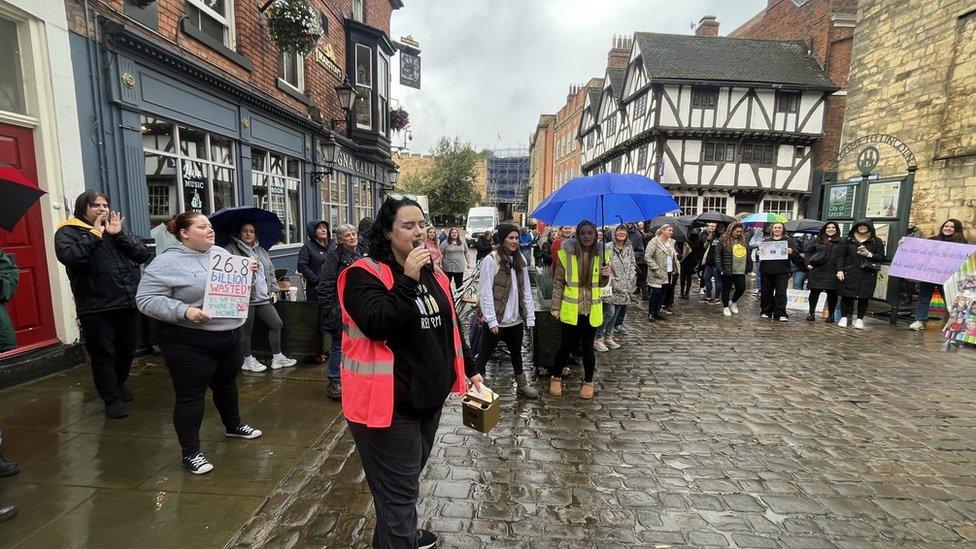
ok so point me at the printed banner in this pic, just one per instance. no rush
(228, 286)
(929, 260)
(800, 300)
(960, 298)
(773, 250)
(409, 69)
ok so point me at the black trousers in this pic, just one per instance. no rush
(110, 339)
(847, 306)
(581, 335)
(669, 294)
(687, 275)
(458, 279)
(511, 336)
(738, 282)
(656, 300)
(198, 359)
(642, 280)
(773, 297)
(393, 458)
(831, 301)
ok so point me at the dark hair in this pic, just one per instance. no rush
(452, 241)
(727, 235)
(181, 222)
(585, 223)
(379, 243)
(957, 236)
(85, 200)
(824, 239)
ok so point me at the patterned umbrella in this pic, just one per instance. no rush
(762, 219)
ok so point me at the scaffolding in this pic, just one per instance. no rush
(508, 180)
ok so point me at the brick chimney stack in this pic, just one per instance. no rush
(619, 56)
(573, 90)
(708, 26)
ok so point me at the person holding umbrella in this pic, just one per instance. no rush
(580, 274)
(264, 293)
(102, 261)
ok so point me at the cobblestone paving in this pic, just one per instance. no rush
(705, 431)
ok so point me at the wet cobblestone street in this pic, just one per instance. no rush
(704, 431)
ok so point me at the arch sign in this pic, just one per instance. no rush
(871, 155)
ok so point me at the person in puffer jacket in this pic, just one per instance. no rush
(312, 255)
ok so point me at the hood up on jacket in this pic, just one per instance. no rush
(311, 226)
(865, 222)
(822, 233)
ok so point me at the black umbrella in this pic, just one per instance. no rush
(19, 194)
(714, 217)
(227, 222)
(680, 227)
(687, 219)
(804, 226)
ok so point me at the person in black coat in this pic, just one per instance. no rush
(822, 265)
(341, 255)
(858, 265)
(312, 254)
(102, 261)
(775, 275)
(483, 246)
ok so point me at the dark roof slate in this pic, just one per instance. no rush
(725, 59)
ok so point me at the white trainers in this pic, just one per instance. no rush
(842, 323)
(917, 326)
(727, 311)
(281, 361)
(734, 308)
(251, 364)
(858, 324)
(599, 346)
(609, 342)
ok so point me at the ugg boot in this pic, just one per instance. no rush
(586, 391)
(524, 388)
(555, 386)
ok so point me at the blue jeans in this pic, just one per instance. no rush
(610, 314)
(712, 272)
(335, 354)
(758, 277)
(799, 277)
(925, 291)
(621, 312)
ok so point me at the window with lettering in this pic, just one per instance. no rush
(276, 180)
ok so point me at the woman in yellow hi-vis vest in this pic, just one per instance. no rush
(581, 271)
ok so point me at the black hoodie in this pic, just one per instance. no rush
(312, 255)
(859, 281)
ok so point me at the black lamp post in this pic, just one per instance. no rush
(330, 148)
(347, 97)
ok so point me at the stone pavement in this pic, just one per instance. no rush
(705, 431)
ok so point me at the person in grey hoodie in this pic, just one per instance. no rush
(264, 293)
(200, 351)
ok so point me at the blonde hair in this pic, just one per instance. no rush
(661, 229)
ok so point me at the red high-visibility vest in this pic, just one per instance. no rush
(367, 365)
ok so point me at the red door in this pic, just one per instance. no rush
(31, 309)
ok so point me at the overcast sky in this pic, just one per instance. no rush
(491, 67)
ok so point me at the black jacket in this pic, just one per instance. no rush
(637, 242)
(311, 256)
(104, 272)
(781, 266)
(723, 259)
(483, 248)
(336, 260)
(824, 276)
(858, 281)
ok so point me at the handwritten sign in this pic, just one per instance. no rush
(929, 260)
(228, 286)
(773, 250)
(800, 300)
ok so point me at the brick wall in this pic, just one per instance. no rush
(254, 42)
(811, 23)
(912, 76)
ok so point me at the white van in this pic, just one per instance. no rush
(480, 219)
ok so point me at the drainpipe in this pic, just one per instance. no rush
(94, 69)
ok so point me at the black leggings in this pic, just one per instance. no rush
(268, 315)
(739, 282)
(847, 306)
(687, 274)
(458, 279)
(831, 301)
(198, 359)
(511, 336)
(110, 339)
(581, 335)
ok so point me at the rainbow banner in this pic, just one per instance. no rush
(960, 298)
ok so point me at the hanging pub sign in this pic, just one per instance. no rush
(409, 62)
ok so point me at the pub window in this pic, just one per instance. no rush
(335, 199)
(688, 204)
(704, 97)
(364, 87)
(12, 97)
(640, 106)
(642, 157)
(186, 169)
(718, 152)
(293, 70)
(215, 18)
(759, 153)
(276, 179)
(363, 189)
(788, 102)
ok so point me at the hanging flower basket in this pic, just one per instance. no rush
(399, 119)
(294, 26)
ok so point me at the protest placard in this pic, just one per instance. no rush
(228, 290)
(929, 260)
(773, 250)
(800, 300)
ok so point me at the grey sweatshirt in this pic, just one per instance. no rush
(175, 281)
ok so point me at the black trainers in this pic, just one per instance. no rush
(811, 318)
(116, 410)
(334, 390)
(426, 539)
(243, 431)
(126, 393)
(197, 464)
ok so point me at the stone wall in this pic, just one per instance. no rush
(913, 76)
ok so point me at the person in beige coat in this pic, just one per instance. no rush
(663, 269)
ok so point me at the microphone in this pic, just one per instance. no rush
(430, 263)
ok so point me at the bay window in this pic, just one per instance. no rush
(363, 108)
(293, 70)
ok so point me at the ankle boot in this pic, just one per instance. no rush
(555, 386)
(524, 388)
(586, 391)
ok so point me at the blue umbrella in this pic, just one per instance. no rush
(228, 221)
(613, 197)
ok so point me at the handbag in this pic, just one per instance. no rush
(870, 265)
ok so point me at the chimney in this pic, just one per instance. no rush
(573, 88)
(708, 26)
(619, 56)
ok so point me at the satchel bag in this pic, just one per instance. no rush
(819, 257)
(870, 265)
